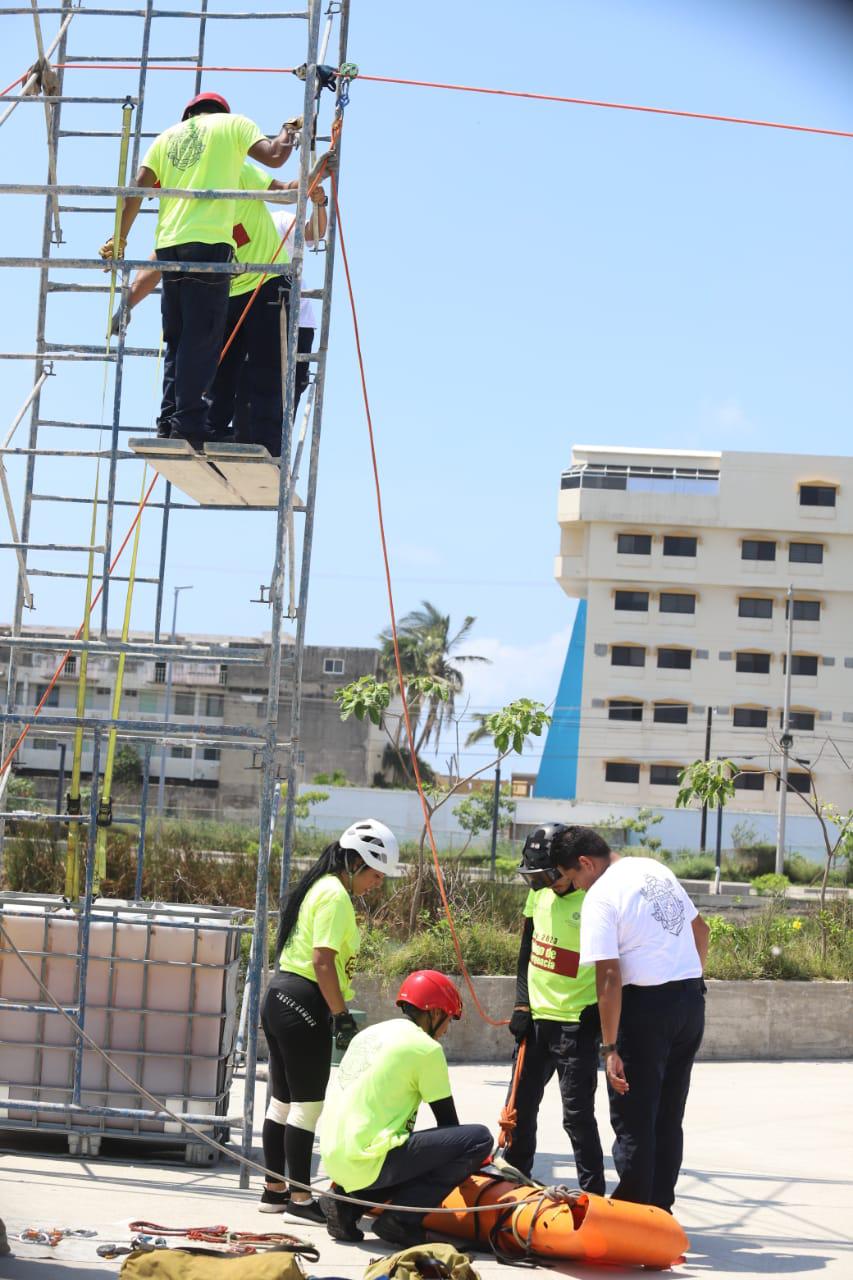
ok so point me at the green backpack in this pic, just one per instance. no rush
(423, 1262)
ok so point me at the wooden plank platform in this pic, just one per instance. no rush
(224, 475)
(251, 470)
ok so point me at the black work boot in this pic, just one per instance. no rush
(341, 1217)
(403, 1231)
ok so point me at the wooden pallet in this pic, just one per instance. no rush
(224, 475)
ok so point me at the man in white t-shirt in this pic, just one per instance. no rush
(648, 944)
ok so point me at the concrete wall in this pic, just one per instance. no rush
(745, 1020)
(401, 810)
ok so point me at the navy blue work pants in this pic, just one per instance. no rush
(571, 1050)
(247, 388)
(429, 1164)
(660, 1032)
(193, 306)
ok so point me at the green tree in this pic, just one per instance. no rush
(476, 812)
(127, 767)
(429, 647)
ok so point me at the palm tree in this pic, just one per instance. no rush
(428, 647)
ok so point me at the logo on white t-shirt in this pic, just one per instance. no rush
(667, 908)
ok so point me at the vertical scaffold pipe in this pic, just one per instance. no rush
(257, 968)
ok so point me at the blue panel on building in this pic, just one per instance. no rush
(558, 768)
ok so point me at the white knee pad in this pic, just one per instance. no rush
(304, 1115)
(278, 1111)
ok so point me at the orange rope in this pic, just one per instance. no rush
(502, 93)
(390, 590)
(509, 1114)
(57, 673)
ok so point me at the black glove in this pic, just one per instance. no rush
(115, 323)
(521, 1024)
(344, 1028)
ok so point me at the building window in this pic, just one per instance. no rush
(805, 610)
(803, 721)
(805, 552)
(677, 602)
(757, 549)
(750, 717)
(671, 713)
(624, 709)
(796, 782)
(52, 698)
(632, 601)
(802, 664)
(755, 664)
(675, 659)
(159, 673)
(754, 607)
(181, 753)
(634, 544)
(677, 545)
(621, 771)
(665, 775)
(184, 704)
(627, 655)
(749, 780)
(333, 666)
(223, 674)
(210, 753)
(70, 667)
(817, 495)
(214, 704)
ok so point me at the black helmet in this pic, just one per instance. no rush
(538, 867)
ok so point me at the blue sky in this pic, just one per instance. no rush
(528, 276)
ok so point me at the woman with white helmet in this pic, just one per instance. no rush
(305, 1006)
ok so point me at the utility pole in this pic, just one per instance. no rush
(495, 815)
(786, 741)
(161, 781)
(703, 830)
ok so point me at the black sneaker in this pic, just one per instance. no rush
(342, 1218)
(402, 1232)
(273, 1201)
(305, 1211)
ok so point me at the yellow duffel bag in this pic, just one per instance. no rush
(180, 1264)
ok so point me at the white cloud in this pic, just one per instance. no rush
(411, 553)
(514, 671)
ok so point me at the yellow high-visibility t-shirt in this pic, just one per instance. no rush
(373, 1098)
(559, 987)
(204, 153)
(255, 233)
(326, 919)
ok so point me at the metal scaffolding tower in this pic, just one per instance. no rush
(66, 117)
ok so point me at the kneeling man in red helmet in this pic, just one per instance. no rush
(367, 1143)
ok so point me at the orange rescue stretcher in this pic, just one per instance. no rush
(554, 1223)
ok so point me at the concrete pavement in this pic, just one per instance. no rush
(765, 1190)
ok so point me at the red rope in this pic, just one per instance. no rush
(395, 639)
(58, 672)
(20, 80)
(501, 93)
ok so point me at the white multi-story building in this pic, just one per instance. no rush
(681, 562)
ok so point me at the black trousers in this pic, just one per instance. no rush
(194, 308)
(571, 1050)
(430, 1163)
(659, 1036)
(247, 388)
(242, 408)
(295, 1019)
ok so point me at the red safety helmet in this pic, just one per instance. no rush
(216, 98)
(428, 989)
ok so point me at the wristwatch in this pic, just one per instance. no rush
(607, 1048)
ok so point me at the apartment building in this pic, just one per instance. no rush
(680, 562)
(210, 694)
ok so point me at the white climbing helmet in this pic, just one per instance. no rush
(376, 844)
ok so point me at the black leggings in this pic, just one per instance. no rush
(295, 1019)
